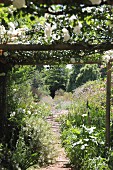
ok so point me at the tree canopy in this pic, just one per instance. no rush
(51, 32)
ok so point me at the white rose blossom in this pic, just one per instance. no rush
(2, 30)
(95, 2)
(73, 17)
(11, 31)
(5, 54)
(72, 60)
(77, 28)
(108, 55)
(19, 4)
(66, 34)
(48, 30)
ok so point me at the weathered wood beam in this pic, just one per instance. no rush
(108, 96)
(56, 63)
(64, 46)
(63, 2)
(35, 47)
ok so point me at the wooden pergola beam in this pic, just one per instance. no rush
(63, 2)
(54, 47)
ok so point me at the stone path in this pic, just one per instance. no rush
(61, 161)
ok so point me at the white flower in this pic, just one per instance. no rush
(77, 28)
(5, 54)
(12, 31)
(66, 34)
(56, 37)
(95, 2)
(2, 30)
(2, 74)
(13, 114)
(19, 4)
(108, 55)
(11, 26)
(72, 60)
(46, 16)
(29, 112)
(73, 17)
(48, 30)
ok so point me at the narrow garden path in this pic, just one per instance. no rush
(62, 163)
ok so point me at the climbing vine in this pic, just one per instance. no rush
(88, 25)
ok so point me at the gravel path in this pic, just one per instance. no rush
(61, 161)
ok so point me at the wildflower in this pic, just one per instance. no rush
(95, 2)
(19, 4)
(77, 28)
(66, 34)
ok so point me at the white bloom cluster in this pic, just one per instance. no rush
(2, 31)
(66, 34)
(19, 4)
(2, 74)
(108, 55)
(72, 18)
(5, 53)
(77, 28)
(95, 2)
(48, 30)
(12, 33)
(72, 60)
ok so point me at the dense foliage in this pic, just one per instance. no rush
(82, 31)
(81, 74)
(56, 78)
(83, 130)
(27, 142)
(88, 25)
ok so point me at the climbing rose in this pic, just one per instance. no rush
(108, 55)
(19, 4)
(95, 2)
(48, 30)
(2, 30)
(66, 34)
(72, 18)
(77, 28)
(72, 60)
(11, 30)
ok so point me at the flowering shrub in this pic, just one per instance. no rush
(83, 129)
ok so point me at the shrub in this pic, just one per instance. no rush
(83, 129)
(35, 144)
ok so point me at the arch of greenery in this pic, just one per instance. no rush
(56, 31)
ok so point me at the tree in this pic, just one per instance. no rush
(56, 78)
(72, 80)
(82, 74)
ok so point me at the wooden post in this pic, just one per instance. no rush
(3, 101)
(108, 95)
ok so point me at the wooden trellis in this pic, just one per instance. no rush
(5, 65)
(7, 62)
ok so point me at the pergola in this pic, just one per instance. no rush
(39, 56)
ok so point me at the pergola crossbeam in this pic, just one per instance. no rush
(63, 46)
